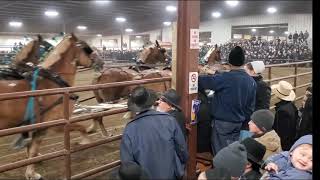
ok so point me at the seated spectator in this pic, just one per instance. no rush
(169, 103)
(233, 158)
(263, 92)
(129, 171)
(261, 127)
(255, 153)
(293, 164)
(286, 116)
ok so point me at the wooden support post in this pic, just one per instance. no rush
(187, 61)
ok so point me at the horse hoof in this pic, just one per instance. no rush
(34, 176)
(91, 130)
(84, 141)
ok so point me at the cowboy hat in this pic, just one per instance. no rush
(284, 91)
(172, 98)
(141, 99)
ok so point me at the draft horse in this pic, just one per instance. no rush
(57, 70)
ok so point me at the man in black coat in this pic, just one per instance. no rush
(286, 115)
(305, 124)
(169, 103)
(263, 93)
(295, 37)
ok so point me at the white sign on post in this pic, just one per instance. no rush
(194, 38)
(193, 82)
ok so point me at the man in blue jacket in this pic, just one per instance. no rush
(233, 101)
(153, 139)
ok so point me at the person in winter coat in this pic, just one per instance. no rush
(306, 35)
(204, 123)
(286, 115)
(169, 103)
(233, 101)
(305, 124)
(261, 128)
(153, 139)
(295, 37)
(233, 158)
(293, 164)
(263, 92)
(255, 153)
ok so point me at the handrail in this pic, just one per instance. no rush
(67, 120)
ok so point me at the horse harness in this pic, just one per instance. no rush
(31, 74)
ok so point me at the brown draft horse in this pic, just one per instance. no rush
(63, 61)
(29, 53)
(149, 55)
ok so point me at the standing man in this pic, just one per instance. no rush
(233, 102)
(153, 139)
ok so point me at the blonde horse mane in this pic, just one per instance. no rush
(55, 55)
(24, 53)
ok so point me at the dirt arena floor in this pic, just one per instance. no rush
(97, 156)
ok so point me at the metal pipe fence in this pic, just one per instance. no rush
(67, 120)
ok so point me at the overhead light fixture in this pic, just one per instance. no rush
(138, 37)
(286, 32)
(99, 35)
(232, 3)
(216, 14)
(253, 30)
(51, 13)
(102, 2)
(120, 19)
(128, 30)
(271, 31)
(171, 8)
(82, 27)
(167, 23)
(15, 24)
(271, 10)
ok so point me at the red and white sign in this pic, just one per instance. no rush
(194, 38)
(193, 82)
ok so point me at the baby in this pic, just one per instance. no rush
(293, 164)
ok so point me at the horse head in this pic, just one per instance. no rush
(31, 52)
(214, 55)
(153, 55)
(75, 52)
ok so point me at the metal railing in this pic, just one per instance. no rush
(295, 76)
(66, 121)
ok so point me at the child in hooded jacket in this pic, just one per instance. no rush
(293, 164)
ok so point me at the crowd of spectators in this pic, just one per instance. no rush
(295, 48)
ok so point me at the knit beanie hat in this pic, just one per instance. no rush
(218, 174)
(264, 119)
(233, 158)
(236, 56)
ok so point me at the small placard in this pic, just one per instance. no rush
(193, 82)
(195, 107)
(194, 38)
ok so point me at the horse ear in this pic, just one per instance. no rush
(157, 43)
(74, 37)
(40, 39)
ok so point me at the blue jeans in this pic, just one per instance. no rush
(224, 133)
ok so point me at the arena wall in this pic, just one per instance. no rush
(220, 29)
